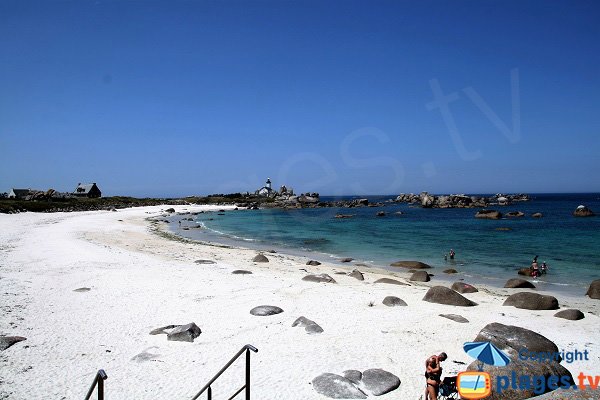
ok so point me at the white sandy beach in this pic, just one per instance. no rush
(140, 281)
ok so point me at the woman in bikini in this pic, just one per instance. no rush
(433, 375)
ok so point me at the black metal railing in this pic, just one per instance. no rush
(246, 387)
(98, 381)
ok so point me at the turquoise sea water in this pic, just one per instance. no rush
(569, 245)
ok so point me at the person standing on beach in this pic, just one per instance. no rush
(433, 375)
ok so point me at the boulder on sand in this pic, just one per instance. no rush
(7, 341)
(241, 272)
(311, 327)
(378, 381)
(393, 301)
(313, 262)
(263, 311)
(420, 276)
(511, 340)
(594, 290)
(455, 318)
(184, 333)
(336, 387)
(390, 281)
(573, 315)
(261, 258)
(488, 214)
(531, 301)
(357, 275)
(517, 283)
(410, 264)
(444, 295)
(321, 278)
(462, 287)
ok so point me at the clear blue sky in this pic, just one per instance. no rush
(171, 98)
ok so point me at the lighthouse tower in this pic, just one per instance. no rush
(268, 184)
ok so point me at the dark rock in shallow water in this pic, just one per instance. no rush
(7, 341)
(455, 318)
(184, 333)
(531, 301)
(517, 283)
(393, 301)
(346, 260)
(511, 340)
(488, 214)
(420, 276)
(311, 327)
(594, 290)
(583, 211)
(378, 381)
(336, 387)
(381, 214)
(357, 275)
(391, 281)
(313, 262)
(537, 215)
(444, 295)
(321, 278)
(410, 264)
(515, 214)
(261, 258)
(524, 271)
(263, 311)
(450, 271)
(462, 287)
(353, 375)
(573, 315)
(241, 272)
(82, 289)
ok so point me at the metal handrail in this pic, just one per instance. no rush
(98, 381)
(246, 386)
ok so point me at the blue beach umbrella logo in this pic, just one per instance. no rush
(486, 353)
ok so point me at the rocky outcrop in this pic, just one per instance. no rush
(511, 340)
(444, 295)
(532, 301)
(515, 214)
(594, 290)
(517, 283)
(488, 214)
(320, 278)
(420, 276)
(263, 311)
(462, 287)
(410, 264)
(573, 315)
(393, 301)
(311, 327)
(260, 258)
(427, 200)
(583, 211)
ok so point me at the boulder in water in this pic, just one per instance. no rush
(410, 264)
(537, 215)
(488, 214)
(517, 283)
(583, 211)
(450, 271)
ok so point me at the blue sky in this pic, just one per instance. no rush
(173, 98)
